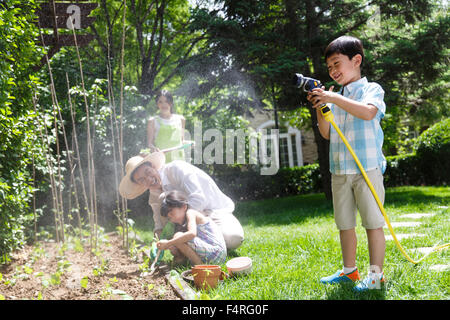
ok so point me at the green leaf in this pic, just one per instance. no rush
(45, 283)
(84, 282)
(122, 293)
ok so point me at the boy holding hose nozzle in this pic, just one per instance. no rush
(358, 109)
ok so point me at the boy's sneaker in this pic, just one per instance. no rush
(371, 282)
(341, 277)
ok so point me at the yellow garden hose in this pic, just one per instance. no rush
(328, 115)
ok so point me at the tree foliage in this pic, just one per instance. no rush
(20, 144)
(157, 40)
(433, 148)
(266, 42)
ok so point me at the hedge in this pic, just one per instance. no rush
(19, 137)
(432, 148)
(251, 185)
(428, 165)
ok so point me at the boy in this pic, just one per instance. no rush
(358, 109)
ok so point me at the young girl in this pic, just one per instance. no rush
(201, 243)
(166, 130)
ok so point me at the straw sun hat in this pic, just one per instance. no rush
(129, 189)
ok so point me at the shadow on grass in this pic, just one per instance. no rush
(296, 209)
(345, 291)
(283, 211)
(415, 195)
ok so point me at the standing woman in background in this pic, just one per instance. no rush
(166, 129)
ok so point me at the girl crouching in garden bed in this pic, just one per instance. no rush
(202, 243)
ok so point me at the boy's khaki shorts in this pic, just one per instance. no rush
(351, 193)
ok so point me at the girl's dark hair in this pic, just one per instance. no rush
(173, 199)
(168, 95)
(349, 46)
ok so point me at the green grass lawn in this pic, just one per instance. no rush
(293, 242)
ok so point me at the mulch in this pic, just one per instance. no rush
(51, 271)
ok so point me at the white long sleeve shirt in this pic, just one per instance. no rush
(203, 193)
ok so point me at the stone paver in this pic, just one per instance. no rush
(404, 224)
(440, 267)
(424, 250)
(401, 236)
(417, 215)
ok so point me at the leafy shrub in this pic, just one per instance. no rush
(433, 153)
(402, 170)
(249, 184)
(429, 166)
(18, 134)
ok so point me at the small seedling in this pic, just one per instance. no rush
(99, 270)
(62, 250)
(84, 282)
(63, 265)
(150, 286)
(45, 283)
(122, 294)
(161, 291)
(55, 279)
(78, 245)
(113, 280)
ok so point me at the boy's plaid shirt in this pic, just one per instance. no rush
(364, 136)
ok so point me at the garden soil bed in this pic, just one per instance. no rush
(50, 271)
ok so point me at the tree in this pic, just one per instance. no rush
(157, 41)
(411, 62)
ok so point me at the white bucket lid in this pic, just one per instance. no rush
(239, 263)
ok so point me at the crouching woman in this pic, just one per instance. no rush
(201, 243)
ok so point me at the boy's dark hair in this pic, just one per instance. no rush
(173, 199)
(349, 46)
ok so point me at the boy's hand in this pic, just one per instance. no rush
(162, 244)
(319, 97)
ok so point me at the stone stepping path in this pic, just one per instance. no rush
(401, 236)
(440, 267)
(422, 250)
(404, 224)
(417, 215)
(407, 224)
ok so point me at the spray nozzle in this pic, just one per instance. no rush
(305, 83)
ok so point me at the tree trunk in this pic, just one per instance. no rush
(323, 149)
(323, 145)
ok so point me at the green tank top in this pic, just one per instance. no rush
(169, 135)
